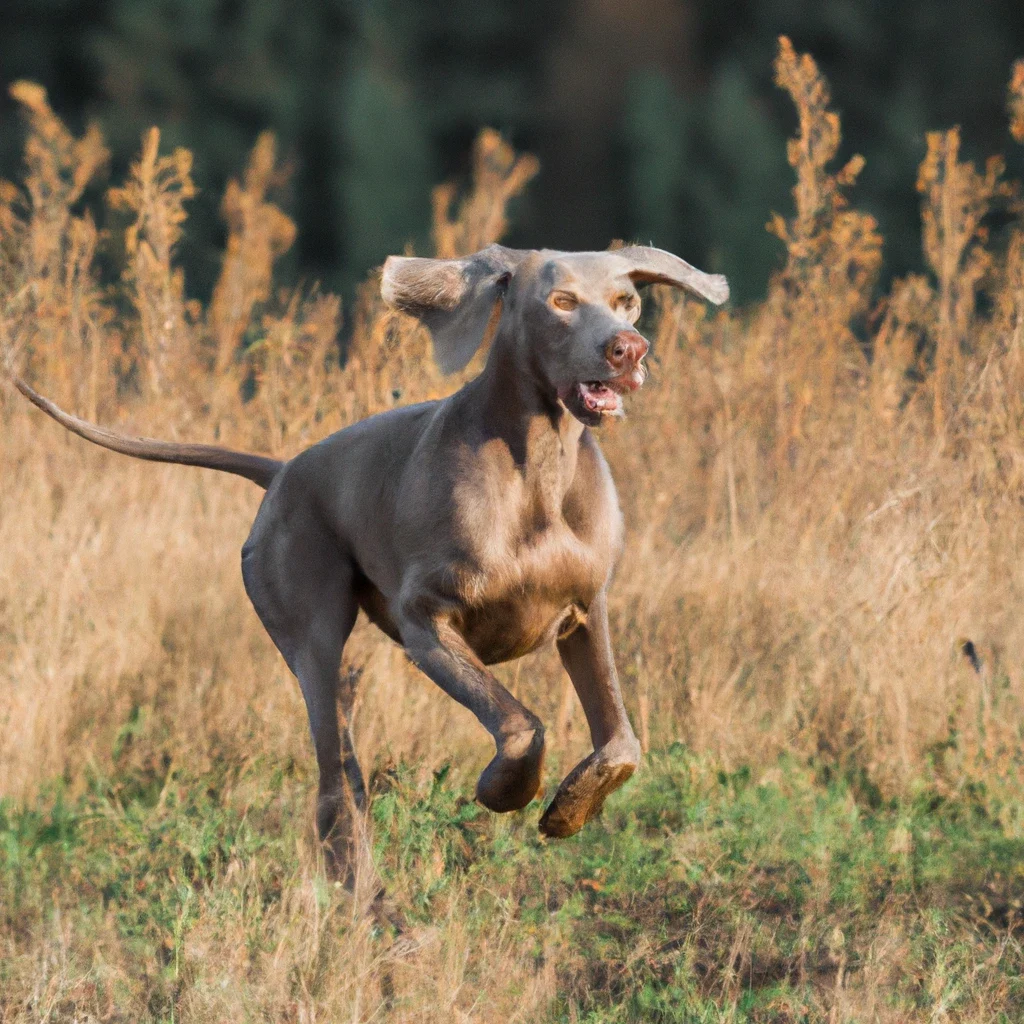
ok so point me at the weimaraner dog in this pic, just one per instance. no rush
(471, 530)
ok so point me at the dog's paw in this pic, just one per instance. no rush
(582, 793)
(513, 778)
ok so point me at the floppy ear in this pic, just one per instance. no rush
(454, 298)
(655, 266)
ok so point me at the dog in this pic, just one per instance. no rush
(470, 530)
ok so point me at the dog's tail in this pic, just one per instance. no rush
(257, 468)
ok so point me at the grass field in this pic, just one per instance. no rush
(816, 620)
(702, 895)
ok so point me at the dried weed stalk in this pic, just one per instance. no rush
(956, 199)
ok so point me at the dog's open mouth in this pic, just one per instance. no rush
(591, 400)
(599, 396)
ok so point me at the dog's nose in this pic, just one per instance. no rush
(625, 350)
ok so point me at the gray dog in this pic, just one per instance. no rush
(470, 530)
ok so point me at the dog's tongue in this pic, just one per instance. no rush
(599, 398)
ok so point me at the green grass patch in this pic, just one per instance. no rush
(701, 895)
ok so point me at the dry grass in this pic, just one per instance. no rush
(823, 495)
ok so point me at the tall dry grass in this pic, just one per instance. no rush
(823, 492)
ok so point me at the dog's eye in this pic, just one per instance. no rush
(626, 301)
(564, 301)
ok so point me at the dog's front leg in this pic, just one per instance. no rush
(513, 777)
(587, 656)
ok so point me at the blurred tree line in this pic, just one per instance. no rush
(654, 120)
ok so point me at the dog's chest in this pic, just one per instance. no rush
(536, 547)
(524, 593)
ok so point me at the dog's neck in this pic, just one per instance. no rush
(522, 409)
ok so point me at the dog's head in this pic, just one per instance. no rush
(570, 316)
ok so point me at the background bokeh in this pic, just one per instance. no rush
(653, 119)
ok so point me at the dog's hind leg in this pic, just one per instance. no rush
(301, 587)
(349, 761)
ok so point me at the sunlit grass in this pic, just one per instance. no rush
(700, 891)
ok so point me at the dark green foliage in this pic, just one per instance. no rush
(896, 70)
(703, 172)
(374, 101)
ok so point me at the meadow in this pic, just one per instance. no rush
(816, 620)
